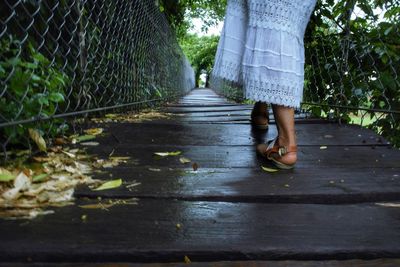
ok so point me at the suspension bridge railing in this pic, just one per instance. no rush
(68, 58)
(353, 64)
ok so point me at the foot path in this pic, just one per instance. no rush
(330, 207)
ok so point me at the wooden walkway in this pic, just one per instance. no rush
(328, 208)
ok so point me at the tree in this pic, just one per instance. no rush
(200, 52)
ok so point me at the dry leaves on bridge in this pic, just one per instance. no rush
(29, 187)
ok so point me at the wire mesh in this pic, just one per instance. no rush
(62, 58)
(352, 65)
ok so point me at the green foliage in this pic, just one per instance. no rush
(34, 87)
(200, 52)
(180, 13)
(354, 62)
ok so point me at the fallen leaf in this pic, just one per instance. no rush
(71, 155)
(269, 169)
(6, 176)
(84, 138)
(38, 139)
(97, 206)
(21, 182)
(111, 116)
(109, 185)
(60, 141)
(94, 131)
(286, 185)
(323, 147)
(84, 217)
(166, 154)
(40, 177)
(120, 158)
(154, 170)
(187, 260)
(90, 143)
(41, 159)
(178, 226)
(184, 160)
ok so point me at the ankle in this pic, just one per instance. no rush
(260, 108)
(287, 141)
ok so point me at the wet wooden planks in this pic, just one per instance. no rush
(344, 263)
(229, 209)
(208, 231)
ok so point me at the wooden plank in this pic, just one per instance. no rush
(208, 232)
(345, 263)
(310, 157)
(222, 119)
(303, 185)
(222, 135)
(225, 108)
(203, 105)
(218, 113)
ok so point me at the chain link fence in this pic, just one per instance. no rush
(68, 58)
(353, 64)
(352, 70)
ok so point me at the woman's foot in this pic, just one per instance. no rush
(260, 116)
(281, 155)
(283, 150)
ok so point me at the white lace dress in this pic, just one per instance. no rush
(262, 50)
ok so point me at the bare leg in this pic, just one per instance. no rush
(260, 113)
(284, 118)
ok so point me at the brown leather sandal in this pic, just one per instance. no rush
(274, 153)
(259, 120)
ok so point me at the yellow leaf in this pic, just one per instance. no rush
(111, 116)
(84, 138)
(94, 131)
(109, 185)
(269, 169)
(166, 154)
(38, 139)
(184, 160)
(187, 260)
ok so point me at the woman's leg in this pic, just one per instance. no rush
(259, 114)
(284, 118)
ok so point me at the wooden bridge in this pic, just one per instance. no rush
(338, 207)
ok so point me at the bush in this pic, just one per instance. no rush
(33, 89)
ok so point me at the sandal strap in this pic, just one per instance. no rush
(280, 150)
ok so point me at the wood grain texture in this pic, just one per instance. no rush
(303, 185)
(345, 263)
(209, 231)
(230, 211)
